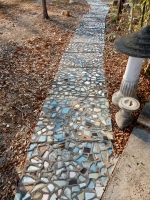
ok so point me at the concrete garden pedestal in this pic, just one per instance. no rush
(124, 117)
(130, 80)
(137, 47)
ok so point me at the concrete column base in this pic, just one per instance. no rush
(123, 119)
(118, 95)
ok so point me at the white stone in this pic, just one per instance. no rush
(32, 168)
(67, 192)
(39, 132)
(44, 179)
(50, 133)
(58, 171)
(97, 109)
(53, 197)
(45, 190)
(66, 93)
(81, 196)
(60, 183)
(94, 175)
(110, 136)
(38, 186)
(51, 187)
(28, 180)
(89, 196)
(82, 185)
(45, 197)
(59, 191)
(87, 133)
(45, 154)
(49, 139)
(87, 83)
(43, 130)
(104, 122)
(94, 116)
(99, 191)
(97, 123)
(50, 127)
(46, 164)
(72, 174)
(77, 106)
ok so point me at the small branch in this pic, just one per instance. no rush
(18, 110)
(143, 13)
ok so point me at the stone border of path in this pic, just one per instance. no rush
(69, 156)
(130, 179)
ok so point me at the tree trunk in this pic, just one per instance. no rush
(120, 7)
(147, 70)
(143, 13)
(45, 14)
(131, 18)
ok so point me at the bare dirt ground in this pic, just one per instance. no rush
(30, 51)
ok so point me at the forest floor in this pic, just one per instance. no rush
(30, 51)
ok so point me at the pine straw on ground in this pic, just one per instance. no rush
(30, 51)
(115, 64)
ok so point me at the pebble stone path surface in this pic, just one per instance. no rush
(69, 156)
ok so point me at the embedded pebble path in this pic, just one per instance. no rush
(69, 156)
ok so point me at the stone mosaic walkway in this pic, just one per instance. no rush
(69, 156)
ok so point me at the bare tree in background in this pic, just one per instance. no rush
(45, 14)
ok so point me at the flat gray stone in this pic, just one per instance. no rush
(144, 117)
(80, 47)
(144, 120)
(131, 178)
(87, 38)
(79, 60)
(91, 23)
(146, 108)
(90, 32)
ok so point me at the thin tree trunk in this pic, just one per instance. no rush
(143, 13)
(147, 70)
(131, 18)
(120, 7)
(45, 14)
